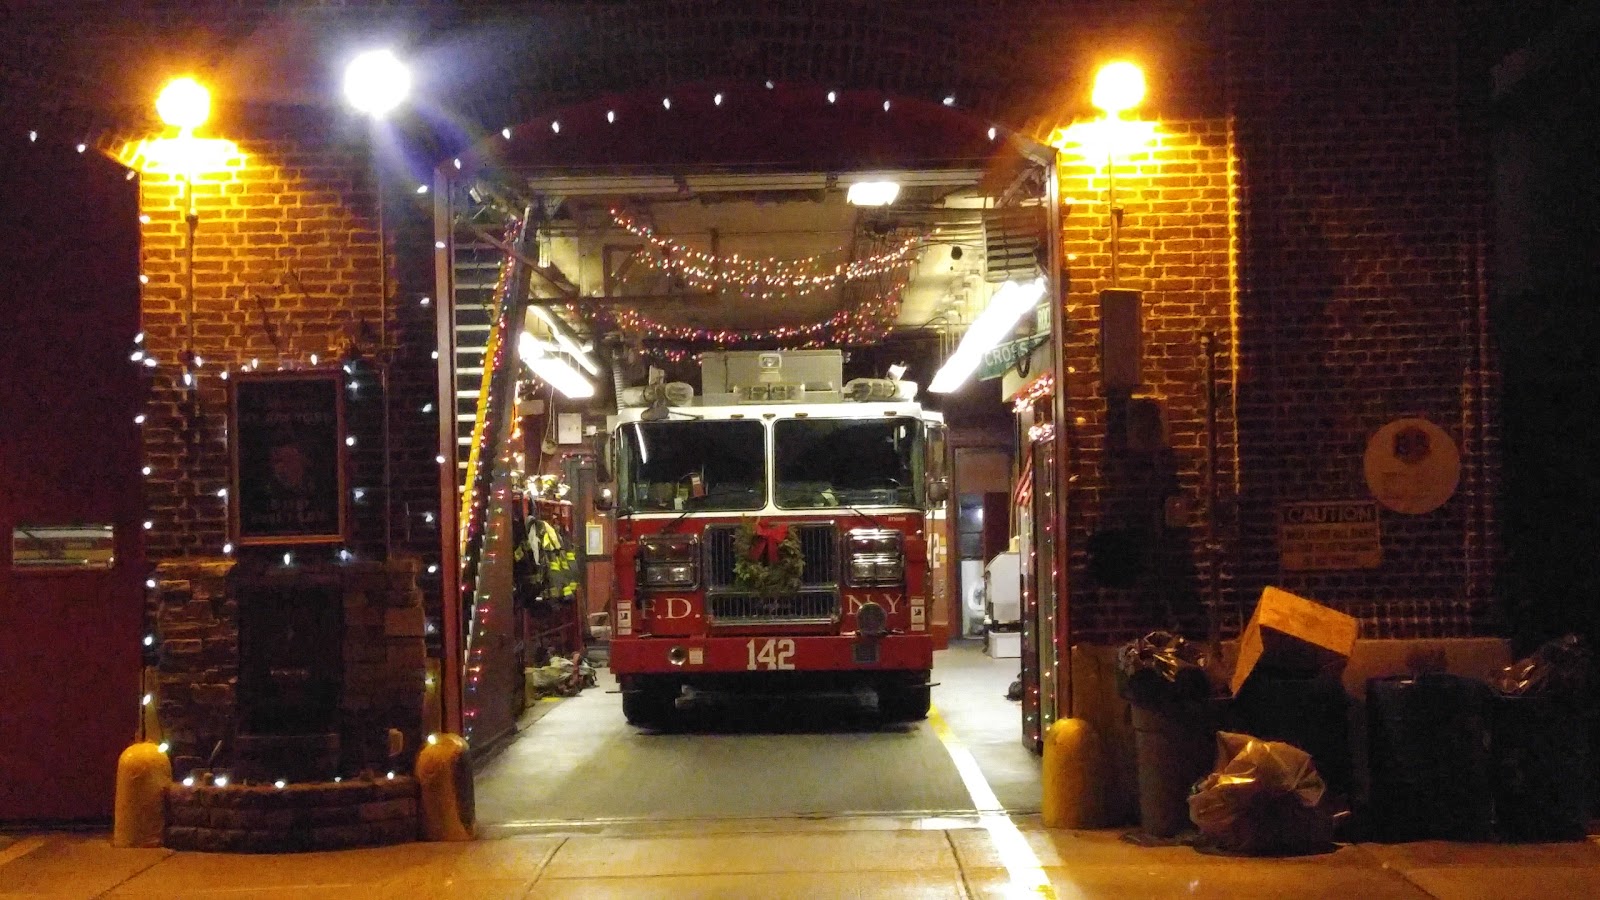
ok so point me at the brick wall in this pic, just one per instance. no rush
(1131, 569)
(1327, 228)
(1355, 239)
(1362, 295)
(288, 274)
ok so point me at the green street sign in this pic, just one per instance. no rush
(998, 359)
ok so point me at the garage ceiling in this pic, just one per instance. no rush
(704, 211)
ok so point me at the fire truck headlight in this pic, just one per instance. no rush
(677, 656)
(874, 540)
(892, 571)
(876, 557)
(669, 575)
(669, 561)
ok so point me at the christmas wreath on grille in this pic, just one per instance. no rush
(766, 560)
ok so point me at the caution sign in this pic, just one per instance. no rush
(1329, 534)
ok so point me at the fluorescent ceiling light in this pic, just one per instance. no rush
(873, 193)
(559, 330)
(1006, 307)
(554, 372)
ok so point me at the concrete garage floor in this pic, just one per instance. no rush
(745, 817)
(859, 857)
(581, 762)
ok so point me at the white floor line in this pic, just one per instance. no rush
(1028, 878)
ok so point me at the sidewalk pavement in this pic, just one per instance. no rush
(869, 857)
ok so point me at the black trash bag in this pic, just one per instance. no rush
(1161, 669)
(1559, 669)
(1264, 799)
(1014, 692)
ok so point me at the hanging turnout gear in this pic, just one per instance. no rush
(560, 562)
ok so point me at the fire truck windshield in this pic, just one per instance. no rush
(691, 465)
(848, 462)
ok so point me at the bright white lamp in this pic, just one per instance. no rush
(566, 342)
(376, 82)
(1006, 307)
(872, 193)
(553, 371)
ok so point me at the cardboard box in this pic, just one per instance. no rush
(1293, 633)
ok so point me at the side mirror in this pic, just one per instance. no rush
(937, 463)
(603, 450)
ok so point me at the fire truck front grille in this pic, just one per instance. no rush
(806, 607)
(816, 603)
(819, 548)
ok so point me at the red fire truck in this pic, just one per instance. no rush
(780, 532)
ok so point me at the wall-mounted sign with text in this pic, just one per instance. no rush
(1412, 466)
(997, 360)
(1324, 535)
(287, 436)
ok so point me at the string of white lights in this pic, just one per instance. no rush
(762, 276)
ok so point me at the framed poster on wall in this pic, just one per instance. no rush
(287, 444)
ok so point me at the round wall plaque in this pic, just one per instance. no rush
(1412, 466)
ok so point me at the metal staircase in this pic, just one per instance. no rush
(478, 266)
(490, 292)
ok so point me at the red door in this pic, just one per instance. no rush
(69, 468)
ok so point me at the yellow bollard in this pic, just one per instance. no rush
(139, 812)
(445, 782)
(1071, 776)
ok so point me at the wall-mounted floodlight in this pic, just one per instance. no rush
(184, 103)
(872, 193)
(1118, 87)
(1005, 309)
(376, 82)
(552, 370)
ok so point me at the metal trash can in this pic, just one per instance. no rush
(1175, 746)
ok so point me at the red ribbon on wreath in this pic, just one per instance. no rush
(765, 546)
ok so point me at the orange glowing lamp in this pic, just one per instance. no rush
(1118, 87)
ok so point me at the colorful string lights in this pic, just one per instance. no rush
(1036, 390)
(477, 492)
(763, 277)
(865, 323)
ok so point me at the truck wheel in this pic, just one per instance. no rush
(649, 703)
(904, 703)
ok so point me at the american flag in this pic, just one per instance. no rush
(1023, 495)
